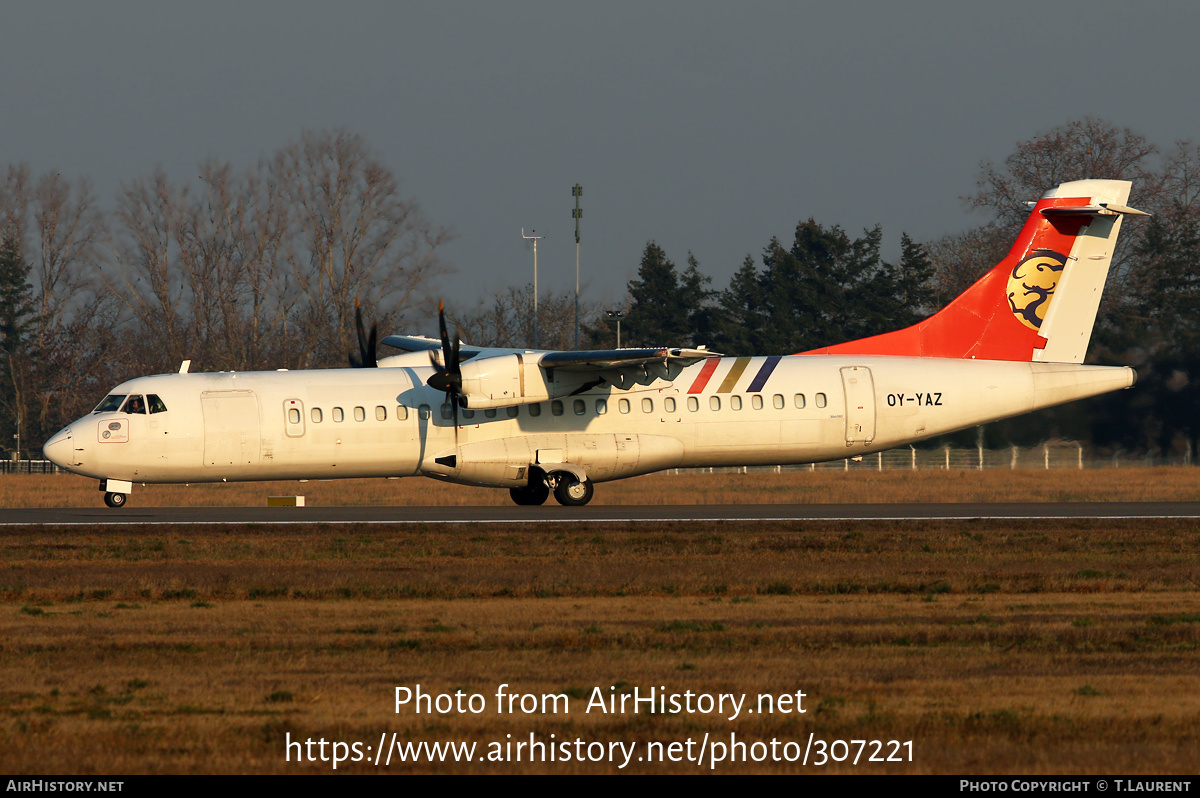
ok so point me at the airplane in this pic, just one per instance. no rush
(541, 422)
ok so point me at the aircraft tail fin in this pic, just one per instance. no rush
(1040, 302)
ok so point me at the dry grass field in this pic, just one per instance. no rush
(858, 486)
(995, 647)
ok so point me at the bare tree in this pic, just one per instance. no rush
(352, 237)
(69, 233)
(61, 234)
(959, 259)
(14, 199)
(75, 317)
(507, 319)
(237, 271)
(1181, 176)
(1078, 150)
(146, 276)
(229, 242)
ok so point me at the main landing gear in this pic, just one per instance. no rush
(530, 495)
(573, 492)
(115, 499)
(569, 490)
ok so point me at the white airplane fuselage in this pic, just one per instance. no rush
(1013, 342)
(386, 422)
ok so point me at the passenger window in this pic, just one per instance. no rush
(468, 413)
(360, 414)
(338, 415)
(623, 405)
(669, 404)
(293, 415)
(490, 412)
(693, 404)
(401, 413)
(556, 407)
(422, 411)
(778, 401)
(601, 407)
(800, 401)
(156, 404)
(447, 411)
(315, 415)
(535, 409)
(580, 407)
(511, 412)
(110, 403)
(735, 402)
(820, 400)
(756, 401)
(135, 404)
(714, 403)
(647, 405)
(380, 413)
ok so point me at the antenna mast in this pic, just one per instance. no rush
(535, 238)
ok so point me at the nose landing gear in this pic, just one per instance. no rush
(116, 491)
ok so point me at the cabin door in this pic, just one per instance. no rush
(860, 404)
(230, 428)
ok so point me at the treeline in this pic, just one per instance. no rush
(261, 269)
(236, 270)
(824, 287)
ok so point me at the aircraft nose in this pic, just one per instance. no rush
(60, 449)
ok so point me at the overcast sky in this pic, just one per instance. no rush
(708, 126)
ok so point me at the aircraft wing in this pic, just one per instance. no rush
(605, 359)
(494, 377)
(583, 361)
(419, 343)
(411, 343)
(624, 368)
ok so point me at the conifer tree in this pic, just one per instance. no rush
(657, 315)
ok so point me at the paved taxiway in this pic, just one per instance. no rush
(594, 514)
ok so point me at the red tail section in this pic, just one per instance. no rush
(1000, 316)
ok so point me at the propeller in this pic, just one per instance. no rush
(366, 357)
(447, 376)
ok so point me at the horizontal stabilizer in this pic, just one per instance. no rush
(1038, 304)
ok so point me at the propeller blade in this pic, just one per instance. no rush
(447, 375)
(367, 356)
(449, 359)
(372, 351)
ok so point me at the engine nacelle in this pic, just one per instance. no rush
(506, 380)
(495, 381)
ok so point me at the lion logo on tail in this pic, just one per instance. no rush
(1031, 286)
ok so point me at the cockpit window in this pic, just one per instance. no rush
(110, 403)
(156, 404)
(135, 404)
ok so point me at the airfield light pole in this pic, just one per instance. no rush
(617, 315)
(577, 214)
(534, 238)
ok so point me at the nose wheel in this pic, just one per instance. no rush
(115, 499)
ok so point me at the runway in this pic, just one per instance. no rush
(553, 514)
